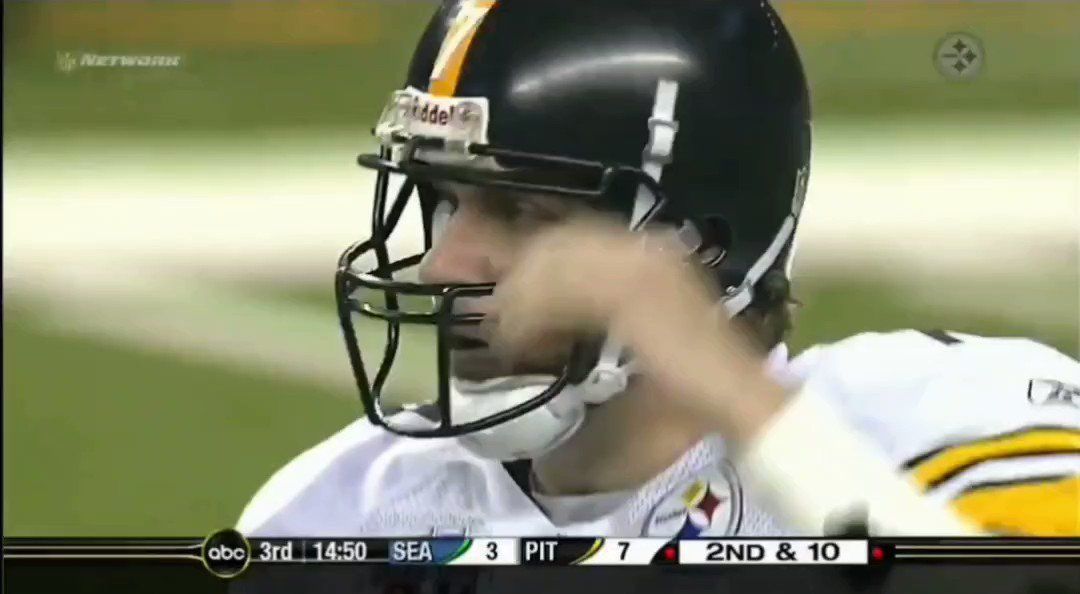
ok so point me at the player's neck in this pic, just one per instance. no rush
(621, 445)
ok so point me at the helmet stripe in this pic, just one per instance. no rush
(446, 71)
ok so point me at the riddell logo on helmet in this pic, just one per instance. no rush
(416, 113)
(431, 113)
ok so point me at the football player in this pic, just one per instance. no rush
(610, 193)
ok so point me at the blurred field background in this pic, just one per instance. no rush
(170, 233)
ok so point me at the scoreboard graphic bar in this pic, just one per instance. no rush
(455, 551)
(400, 551)
(228, 554)
(598, 551)
(976, 550)
(774, 551)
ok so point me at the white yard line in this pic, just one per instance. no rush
(932, 199)
(211, 325)
(133, 233)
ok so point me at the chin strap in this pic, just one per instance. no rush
(611, 375)
(659, 151)
(738, 298)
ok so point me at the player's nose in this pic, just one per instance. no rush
(463, 253)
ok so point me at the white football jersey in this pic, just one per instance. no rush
(991, 425)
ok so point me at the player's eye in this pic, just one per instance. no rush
(521, 211)
(537, 212)
(502, 209)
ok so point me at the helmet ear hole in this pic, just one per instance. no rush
(717, 237)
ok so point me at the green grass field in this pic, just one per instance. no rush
(105, 438)
(862, 61)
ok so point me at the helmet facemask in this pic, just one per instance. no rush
(507, 417)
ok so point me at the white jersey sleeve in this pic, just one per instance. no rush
(989, 425)
(365, 481)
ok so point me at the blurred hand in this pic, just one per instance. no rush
(590, 275)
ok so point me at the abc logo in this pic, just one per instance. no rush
(223, 553)
(226, 553)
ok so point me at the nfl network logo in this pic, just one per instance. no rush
(67, 62)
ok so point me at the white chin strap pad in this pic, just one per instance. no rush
(535, 432)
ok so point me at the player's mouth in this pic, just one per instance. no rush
(475, 359)
(463, 342)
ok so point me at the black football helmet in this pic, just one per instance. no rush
(693, 113)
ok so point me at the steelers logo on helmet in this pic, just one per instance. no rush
(709, 504)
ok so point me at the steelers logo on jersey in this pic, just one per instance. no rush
(710, 504)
